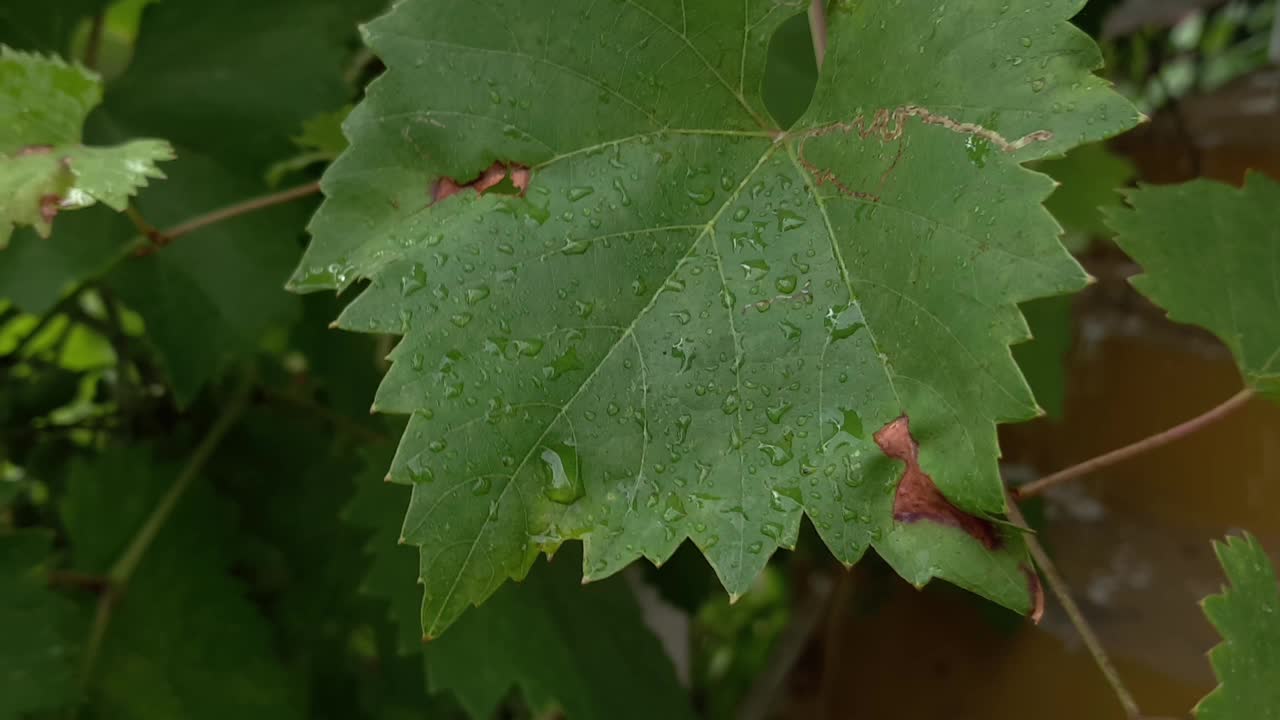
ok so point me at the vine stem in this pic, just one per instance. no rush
(818, 29)
(1176, 432)
(1060, 590)
(121, 572)
(160, 238)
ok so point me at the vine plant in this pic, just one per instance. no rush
(626, 299)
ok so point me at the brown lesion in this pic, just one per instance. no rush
(496, 173)
(918, 498)
(888, 126)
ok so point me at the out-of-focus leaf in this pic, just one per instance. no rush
(40, 631)
(1210, 256)
(1090, 180)
(1247, 614)
(584, 649)
(44, 169)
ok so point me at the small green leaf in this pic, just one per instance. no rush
(321, 141)
(43, 167)
(1210, 256)
(1247, 614)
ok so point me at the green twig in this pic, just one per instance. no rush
(124, 567)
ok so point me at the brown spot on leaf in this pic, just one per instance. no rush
(35, 150)
(1035, 590)
(918, 498)
(49, 207)
(498, 171)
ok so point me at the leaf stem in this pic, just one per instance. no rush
(1176, 432)
(1060, 590)
(818, 29)
(94, 45)
(241, 208)
(124, 567)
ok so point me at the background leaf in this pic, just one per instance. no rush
(584, 649)
(1248, 615)
(43, 168)
(41, 630)
(1210, 255)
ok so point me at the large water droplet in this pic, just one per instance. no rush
(561, 473)
(414, 281)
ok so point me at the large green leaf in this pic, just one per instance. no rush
(183, 641)
(1248, 616)
(583, 649)
(43, 167)
(1210, 256)
(693, 324)
(41, 630)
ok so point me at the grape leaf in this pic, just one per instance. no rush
(184, 641)
(43, 167)
(1247, 614)
(687, 322)
(1210, 256)
(41, 630)
(584, 649)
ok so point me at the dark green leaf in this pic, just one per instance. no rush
(584, 649)
(41, 630)
(709, 318)
(183, 641)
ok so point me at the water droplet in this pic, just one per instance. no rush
(437, 446)
(682, 428)
(460, 319)
(776, 413)
(730, 404)
(755, 269)
(561, 473)
(578, 192)
(843, 321)
(788, 220)
(567, 362)
(684, 351)
(674, 509)
(786, 284)
(790, 330)
(701, 196)
(414, 281)
(777, 454)
(476, 294)
(481, 486)
(771, 530)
